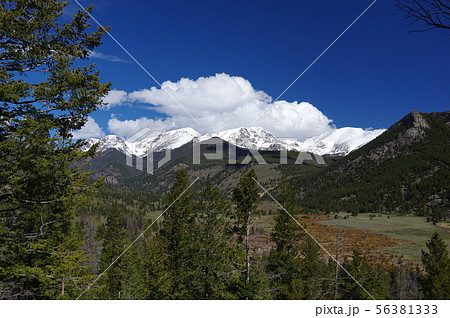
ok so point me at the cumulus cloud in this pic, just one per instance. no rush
(90, 130)
(126, 128)
(220, 102)
(114, 98)
(206, 95)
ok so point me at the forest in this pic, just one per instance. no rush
(201, 248)
(200, 245)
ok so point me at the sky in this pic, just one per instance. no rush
(224, 64)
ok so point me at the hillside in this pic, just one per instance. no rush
(404, 170)
(111, 164)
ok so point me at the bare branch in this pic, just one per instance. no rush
(433, 13)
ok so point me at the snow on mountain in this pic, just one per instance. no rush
(255, 138)
(89, 143)
(167, 140)
(112, 141)
(340, 141)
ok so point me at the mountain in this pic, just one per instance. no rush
(108, 142)
(337, 142)
(406, 169)
(167, 140)
(255, 138)
(111, 164)
(89, 142)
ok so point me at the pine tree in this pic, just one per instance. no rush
(180, 242)
(287, 198)
(144, 276)
(312, 271)
(68, 267)
(374, 280)
(283, 262)
(216, 244)
(436, 281)
(152, 266)
(114, 242)
(43, 97)
(246, 198)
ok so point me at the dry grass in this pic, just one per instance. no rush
(369, 244)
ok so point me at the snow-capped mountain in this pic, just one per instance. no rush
(340, 141)
(167, 140)
(89, 143)
(255, 138)
(108, 142)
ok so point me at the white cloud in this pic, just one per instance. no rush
(126, 128)
(220, 102)
(114, 98)
(206, 95)
(107, 57)
(90, 130)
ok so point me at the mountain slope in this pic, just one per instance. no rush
(255, 138)
(406, 169)
(337, 142)
(108, 142)
(111, 164)
(167, 140)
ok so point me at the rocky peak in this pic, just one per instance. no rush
(416, 124)
(408, 130)
(414, 119)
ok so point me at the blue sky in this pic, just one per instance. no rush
(371, 77)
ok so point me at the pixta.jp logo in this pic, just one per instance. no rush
(141, 154)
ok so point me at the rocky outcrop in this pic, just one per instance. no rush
(410, 129)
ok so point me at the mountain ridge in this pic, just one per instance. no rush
(406, 169)
(337, 142)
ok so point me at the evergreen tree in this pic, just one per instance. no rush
(180, 242)
(246, 198)
(312, 271)
(145, 276)
(216, 244)
(287, 197)
(152, 267)
(114, 242)
(436, 281)
(43, 97)
(374, 280)
(283, 262)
